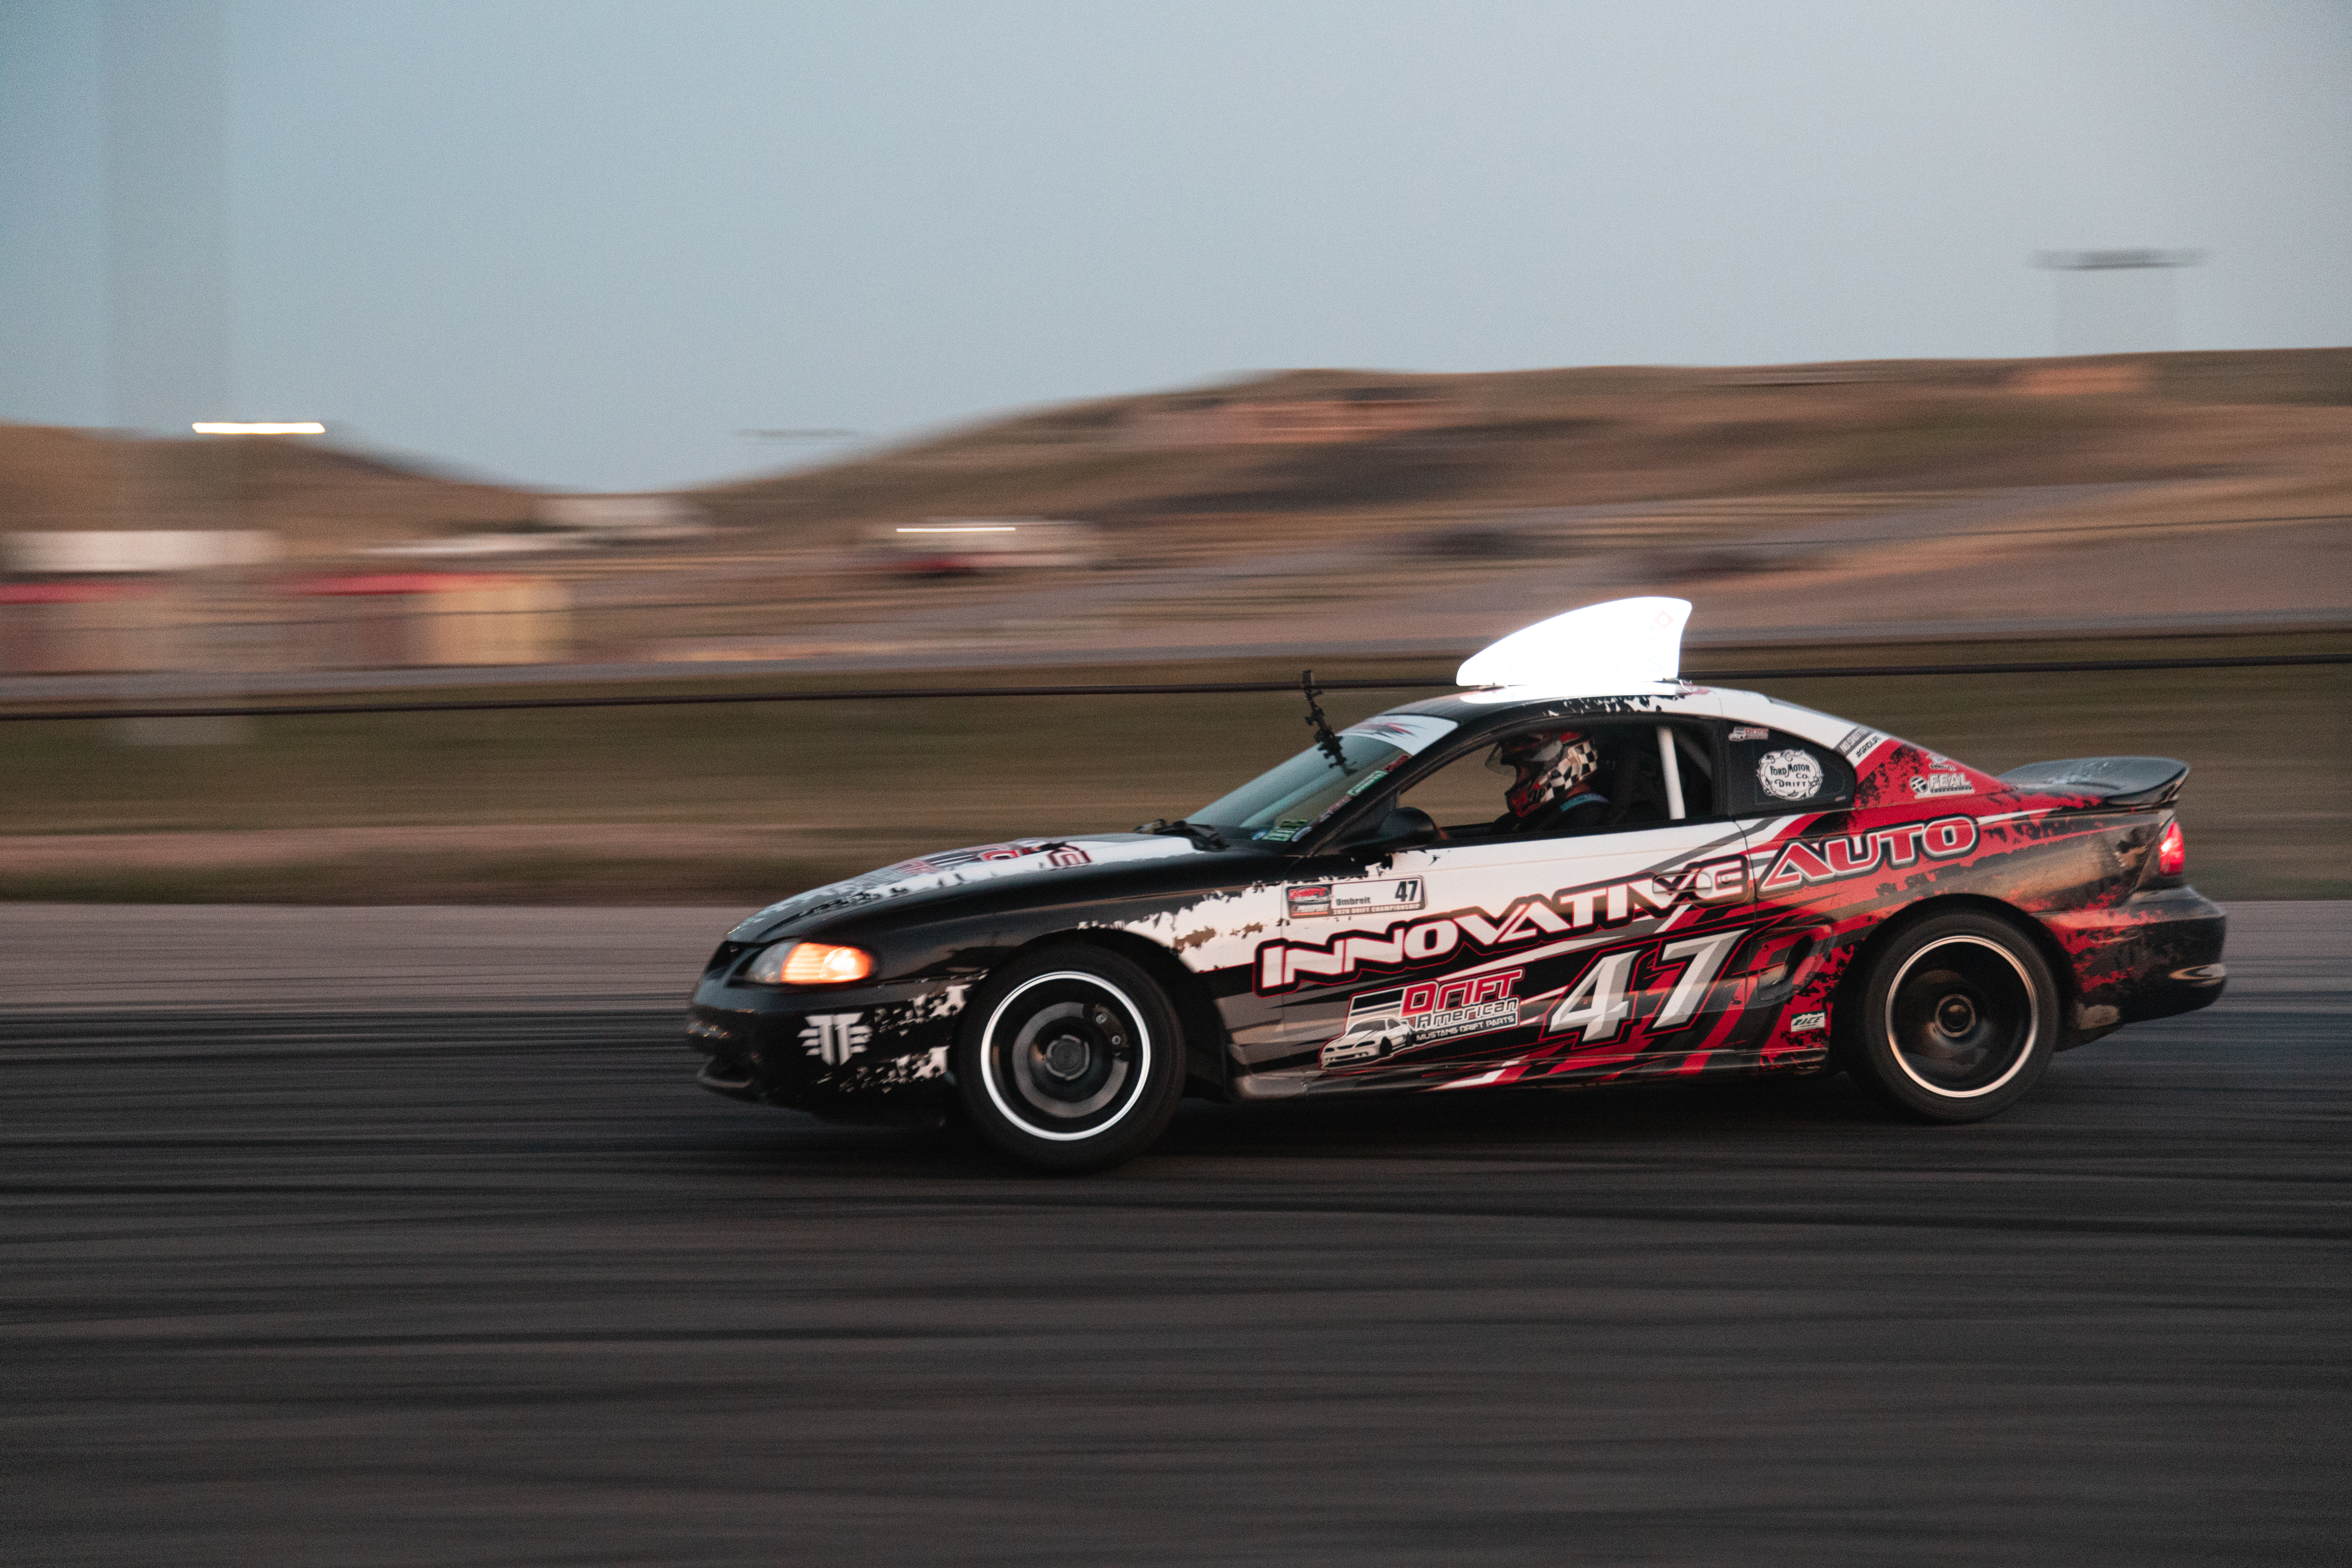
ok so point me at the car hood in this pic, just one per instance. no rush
(955, 867)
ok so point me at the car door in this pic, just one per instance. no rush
(1439, 962)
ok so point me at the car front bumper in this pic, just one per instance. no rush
(868, 1052)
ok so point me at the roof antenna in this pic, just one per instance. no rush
(1323, 735)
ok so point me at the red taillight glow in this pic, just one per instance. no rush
(2171, 851)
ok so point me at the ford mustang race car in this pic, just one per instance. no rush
(1578, 870)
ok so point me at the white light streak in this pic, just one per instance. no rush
(227, 427)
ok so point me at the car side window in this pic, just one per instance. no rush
(1772, 772)
(1562, 778)
(1462, 797)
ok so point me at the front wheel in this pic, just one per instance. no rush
(1956, 1020)
(1071, 1059)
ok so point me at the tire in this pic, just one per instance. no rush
(1070, 1060)
(1956, 1021)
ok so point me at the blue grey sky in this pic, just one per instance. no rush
(585, 242)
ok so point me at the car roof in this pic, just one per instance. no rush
(1479, 710)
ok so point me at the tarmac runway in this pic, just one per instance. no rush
(494, 1285)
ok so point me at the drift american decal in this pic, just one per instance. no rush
(1381, 1023)
(1382, 897)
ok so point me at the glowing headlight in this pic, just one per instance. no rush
(810, 963)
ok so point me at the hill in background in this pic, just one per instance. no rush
(322, 499)
(1279, 458)
(1289, 450)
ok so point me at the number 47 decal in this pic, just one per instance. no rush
(1598, 1005)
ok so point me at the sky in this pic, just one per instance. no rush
(586, 244)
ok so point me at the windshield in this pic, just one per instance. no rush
(1278, 805)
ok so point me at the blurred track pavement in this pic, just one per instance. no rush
(401, 1236)
(250, 959)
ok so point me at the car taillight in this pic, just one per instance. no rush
(811, 963)
(2171, 851)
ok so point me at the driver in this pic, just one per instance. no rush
(1548, 792)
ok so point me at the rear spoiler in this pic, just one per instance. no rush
(2112, 781)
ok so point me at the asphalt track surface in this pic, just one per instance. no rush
(501, 1287)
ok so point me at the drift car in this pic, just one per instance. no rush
(1578, 870)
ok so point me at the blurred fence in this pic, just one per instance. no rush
(357, 621)
(1160, 689)
(719, 791)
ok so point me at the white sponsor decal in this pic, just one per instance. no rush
(985, 862)
(1791, 774)
(1386, 896)
(1926, 785)
(834, 1036)
(1750, 732)
(1859, 743)
(1809, 1023)
(1411, 733)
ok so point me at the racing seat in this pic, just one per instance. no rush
(1637, 785)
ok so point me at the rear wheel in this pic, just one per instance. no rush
(1072, 1059)
(1956, 1020)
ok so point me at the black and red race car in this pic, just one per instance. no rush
(1578, 870)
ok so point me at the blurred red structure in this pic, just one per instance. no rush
(75, 628)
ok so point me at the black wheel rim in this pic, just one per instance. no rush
(1065, 1056)
(1962, 1017)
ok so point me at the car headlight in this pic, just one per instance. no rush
(810, 963)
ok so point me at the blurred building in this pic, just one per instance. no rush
(393, 620)
(90, 628)
(103, 600)
(956, 546)
(110, 551)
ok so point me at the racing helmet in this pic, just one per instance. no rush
(1546, 765)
